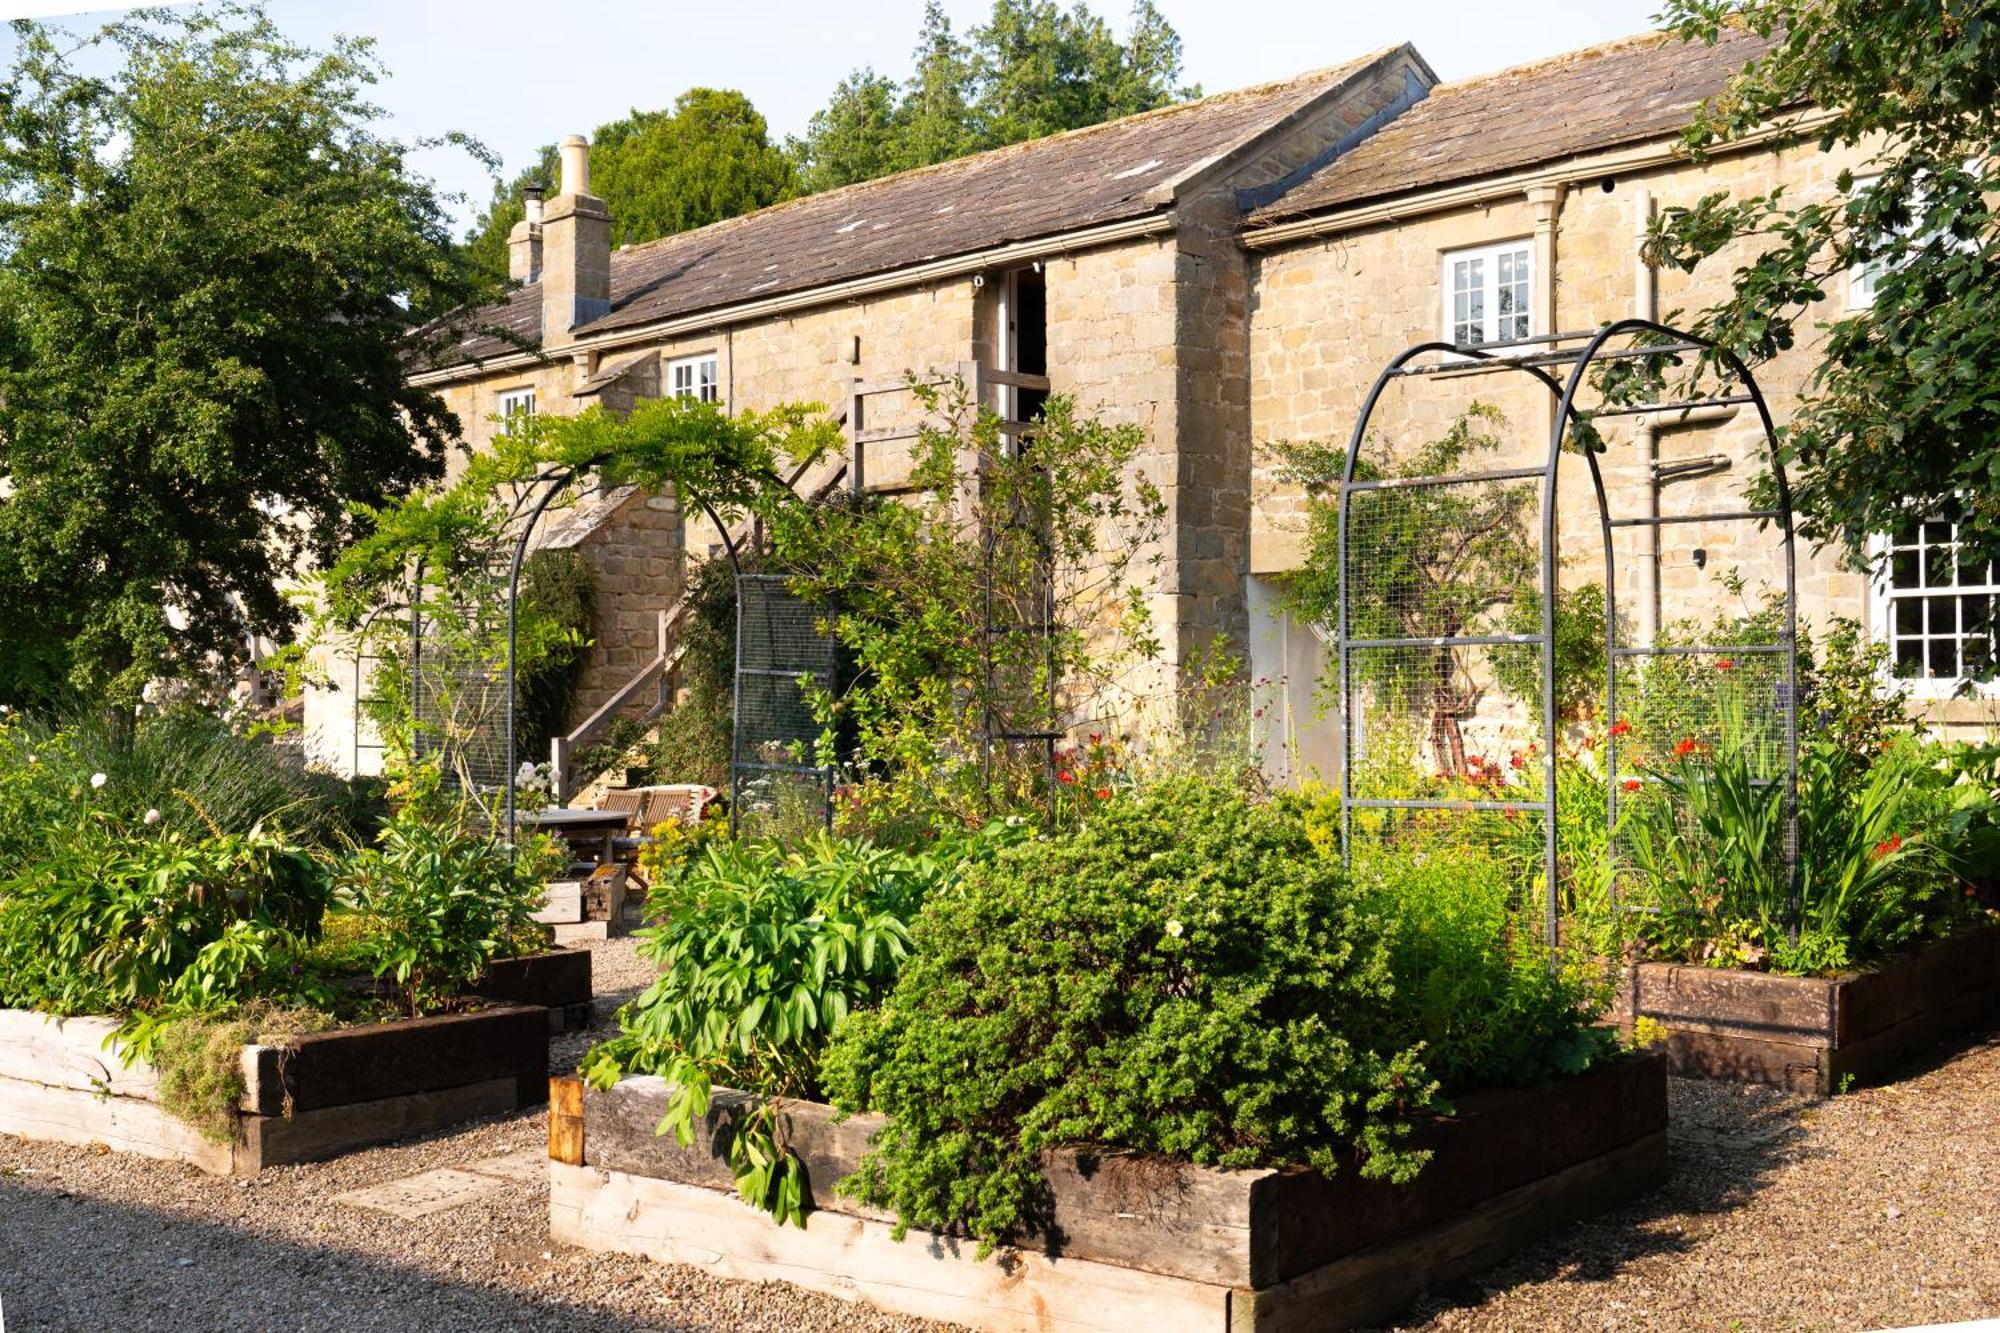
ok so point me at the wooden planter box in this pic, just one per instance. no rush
(558, 981)
(324, 1095)
(1137, 1244)
(1815, 1035)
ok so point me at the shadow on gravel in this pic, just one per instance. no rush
(70, 1263)
(1725, 1141)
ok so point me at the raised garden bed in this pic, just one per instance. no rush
(321, 1096)
(1815, 1035)
(558, 981)
(1137, 1243)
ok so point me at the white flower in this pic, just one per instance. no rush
(1174, 929)
(97, 780)
(152, 817)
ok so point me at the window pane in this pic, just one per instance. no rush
(1903, 570)
(1909, 616)
(1978, 657)
(1935, 533)
(1940, 570)
(1971, 571)
(1944, 659)
(1909, 657)
(1975, 615)
(1943, 615)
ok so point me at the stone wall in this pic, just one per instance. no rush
(1327, 313)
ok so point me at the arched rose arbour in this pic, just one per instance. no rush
(1452, 677)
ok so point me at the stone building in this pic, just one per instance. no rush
(1225, 273)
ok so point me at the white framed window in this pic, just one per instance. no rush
(517, 400)
(1489, 293)
(1864, 277)
(693, 377)
(1934, 607)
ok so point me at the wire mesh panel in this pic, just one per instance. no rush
(1022, 711)
(460, 685)
(781, 655)
(1461, 726)
(1442, 656)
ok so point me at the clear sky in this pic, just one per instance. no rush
(516, 74)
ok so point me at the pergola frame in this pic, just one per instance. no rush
(1538, 357)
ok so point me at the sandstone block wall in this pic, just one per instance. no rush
(1327, 313)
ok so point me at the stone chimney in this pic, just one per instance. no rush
(576, 250)
(524, 243)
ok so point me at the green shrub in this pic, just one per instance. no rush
(110, 921)
(1181, 976)
(1475, 981)
(762, 953)
(443, 898)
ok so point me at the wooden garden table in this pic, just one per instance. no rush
(577, 825)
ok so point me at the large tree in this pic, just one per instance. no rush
(208, 263)
(1033, 68)
(659, 172)
(1901, 421)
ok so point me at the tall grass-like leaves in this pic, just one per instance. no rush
(763, 953)
(1710, 842)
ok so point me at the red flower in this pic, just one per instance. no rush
(1726, 664)
(1097, 738)
(1893, 843)
(1686, 747)
(1631, 784)
(1517, 761)
(1104, 793)
(1620, 727)
(1066, 776)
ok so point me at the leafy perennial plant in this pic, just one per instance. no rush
(762, 953)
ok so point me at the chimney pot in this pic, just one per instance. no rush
(531, 195)
(576, 251)
(576, 165)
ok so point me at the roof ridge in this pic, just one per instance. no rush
(858, 188)
(1582, 53)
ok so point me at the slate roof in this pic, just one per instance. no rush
(1586, 101)
(1044, 187)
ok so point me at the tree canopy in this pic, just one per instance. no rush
(1032, 69)
(708, 158)
(1900, 422)
(208, 265)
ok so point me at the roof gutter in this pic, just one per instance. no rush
(916, 275)
(1472, 194)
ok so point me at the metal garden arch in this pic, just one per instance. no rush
(1654, 345)
(539, 493)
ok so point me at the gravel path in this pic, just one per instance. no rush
(1876, 1209)
(1879, 1209)
(95, 1241)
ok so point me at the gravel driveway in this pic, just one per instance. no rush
(1873, 1209)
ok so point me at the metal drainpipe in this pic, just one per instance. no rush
(1645, 300)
